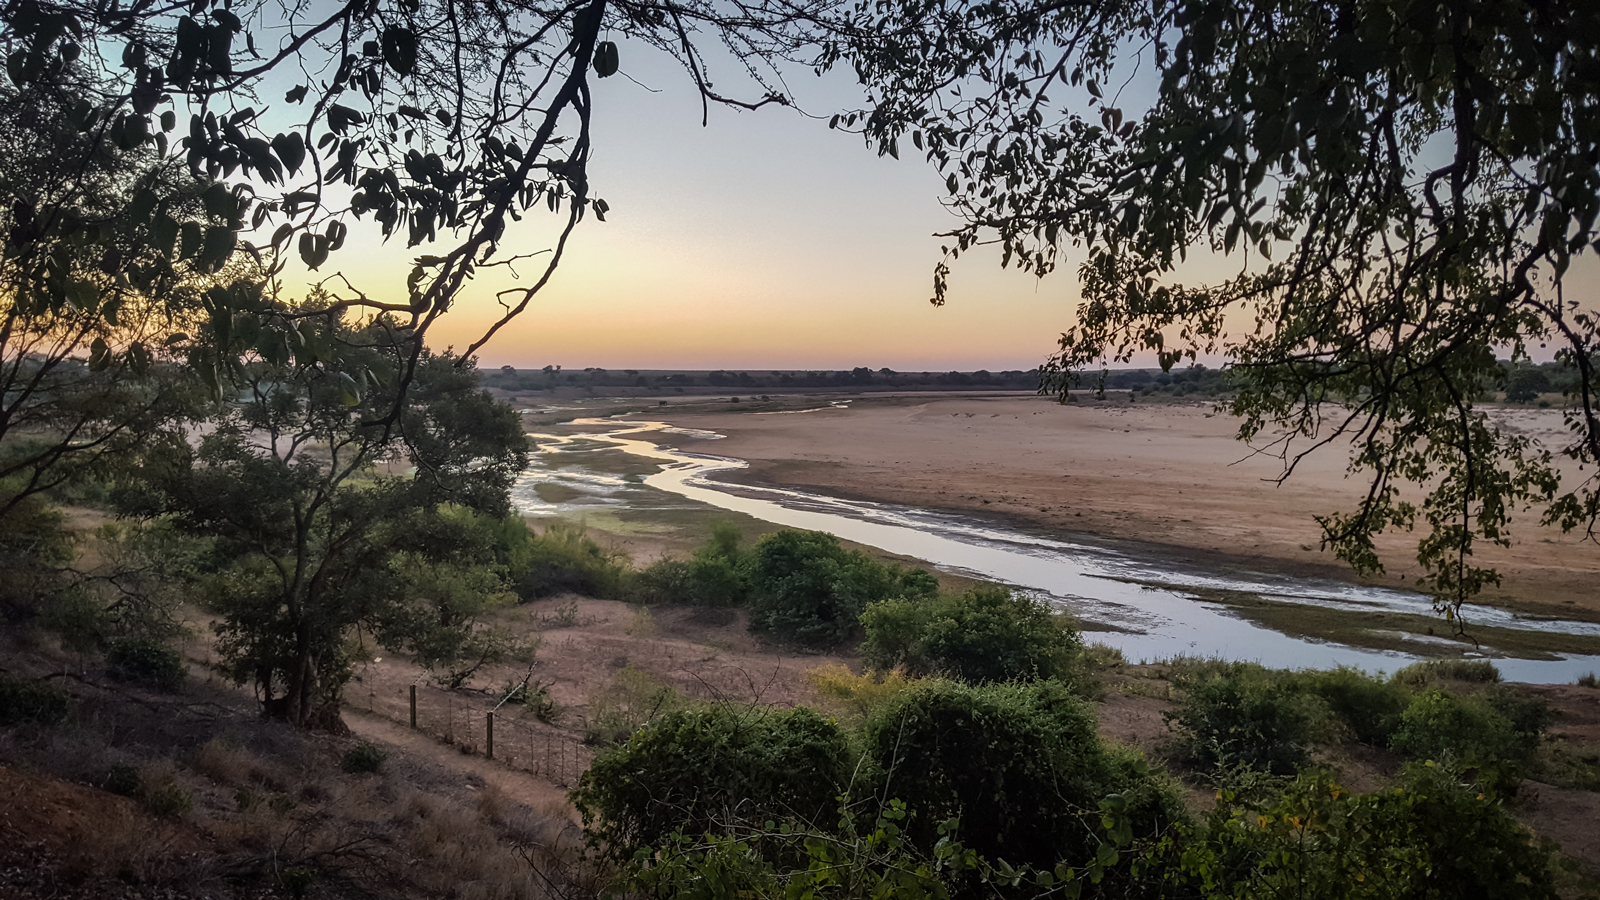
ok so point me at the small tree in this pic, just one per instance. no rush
(313, 540)
(985, 634)
(806, 588)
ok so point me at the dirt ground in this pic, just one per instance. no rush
(1170, 474)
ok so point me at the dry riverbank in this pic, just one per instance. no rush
(1169, 474)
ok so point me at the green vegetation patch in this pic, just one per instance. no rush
(984, 634)
(699, 770)
(552, 492)
(1020, 766)
(30, 700)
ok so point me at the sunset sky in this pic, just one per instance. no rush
(764, 241)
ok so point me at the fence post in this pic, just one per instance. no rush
(488, 745)
(413, 707)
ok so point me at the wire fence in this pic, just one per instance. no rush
(478, 724)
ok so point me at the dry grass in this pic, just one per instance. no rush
(855, 695)
(266, 807)
(127, 847)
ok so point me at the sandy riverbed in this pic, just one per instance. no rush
(1169, 474)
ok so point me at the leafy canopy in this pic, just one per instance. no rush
(312, 537)
(984, 634)
(432, 121)
(1400, 188)
(806, 588)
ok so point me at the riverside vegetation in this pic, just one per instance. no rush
(963, 760)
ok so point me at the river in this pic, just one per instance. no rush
(1096, 583)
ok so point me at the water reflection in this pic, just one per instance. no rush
(1092, 582)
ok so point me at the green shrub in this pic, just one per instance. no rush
(1365, 704)
(564, 558)
(1588, 680)
(1468, 731)
(1430, 836)
(694, 771)
(123, 780)
(1470, 671)
(30, 700)
(665, 581)
(717, 581)
(1530, 717)
(717, 575)
(145, 661)
(699, 581)
(365, 757)
(985, 634)
(1240, 714)
(808, 590)
(167, 800)
(894, 636)
(35, 546)
(1021, 765)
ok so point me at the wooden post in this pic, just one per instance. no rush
(488, 745)
(413, 707)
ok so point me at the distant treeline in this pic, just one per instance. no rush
(1516, 382)
(509, 378)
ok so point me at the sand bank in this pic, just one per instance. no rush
(1169, 474)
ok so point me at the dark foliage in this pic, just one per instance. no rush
(985, 634)
(1239, 714)
(145, 661)
(700, 770)
(1021, 765)
(31, 700)
(806, 589)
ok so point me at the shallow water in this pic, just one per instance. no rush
(1090, 581)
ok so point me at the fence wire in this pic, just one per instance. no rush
(461, 719)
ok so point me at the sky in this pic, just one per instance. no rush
(763, 241)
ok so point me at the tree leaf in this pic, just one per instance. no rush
(605, 59)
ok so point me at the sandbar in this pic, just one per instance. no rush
(1169, 474)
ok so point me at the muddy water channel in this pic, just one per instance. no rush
(1148, 607)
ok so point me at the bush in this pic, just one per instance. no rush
(145, 661)
(1470, 671)
(1021, 765)
(123, 780)
(894, 636)
(663, 581)
(1430, 836)
(35, 545)
(166, 799)
(1240, 714)
(363, 758)
(985, 634)
(29, 700)
(1472, 731)
(714, 576)
(1365, 704)
(806, 589)
(696, 771)
(564, 558)
(534, 698)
